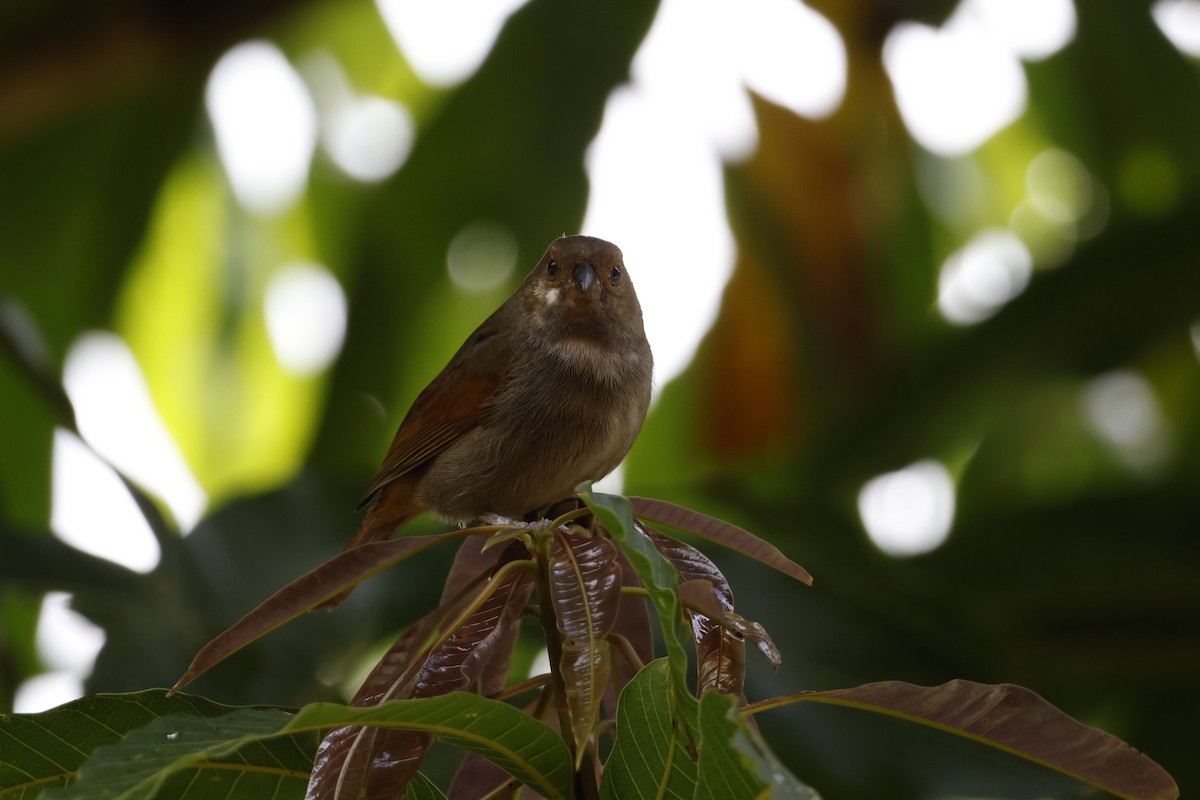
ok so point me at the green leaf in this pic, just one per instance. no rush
(1013, 719)
(719, 532)
(142, 763)
(421, 788)
(722, 771)
(41, 751)
(21, 340)
(42, 561)
(660, 579)
(75, 194)
(650, 759)
(734, 762)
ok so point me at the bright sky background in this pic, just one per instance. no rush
(956, 86)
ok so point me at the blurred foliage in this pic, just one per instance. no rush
(1069, 570)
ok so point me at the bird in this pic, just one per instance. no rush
(549, 392)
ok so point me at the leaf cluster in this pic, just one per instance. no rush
(586, 578)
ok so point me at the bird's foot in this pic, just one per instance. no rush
(509, 522)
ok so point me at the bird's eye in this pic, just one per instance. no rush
(615, 275)
(552, 268)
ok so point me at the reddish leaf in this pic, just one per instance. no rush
(476, 777)
(720, 657)
(702, 595)
(460, 660)
(354, 758)
(718, 531)
(721, 661)
(344, 758)
(384, 761)
(1015, 719)
(306, 593)
(585, 587)
(395, 675)
(470, 563)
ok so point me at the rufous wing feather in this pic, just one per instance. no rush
(448, 408)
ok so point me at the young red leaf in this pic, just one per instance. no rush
(720, 661)
(476, 777)
(345, 756)
(1014, 719)
(306, 593)
(470, 562)
(718, 531)
(702, 595)
(702, 586)
(585, 587)
(384, 761)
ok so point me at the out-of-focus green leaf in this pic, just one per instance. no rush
(242, 421)
(44, 563)
(22, 342)
(650, 759)
(73, 204)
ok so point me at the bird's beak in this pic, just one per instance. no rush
(585, 275)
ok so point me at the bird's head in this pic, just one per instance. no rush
(580, 290)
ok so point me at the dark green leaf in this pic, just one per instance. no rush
(650, 759)
(46, 750)
(141, 764)
(723, 774)
(43, 562)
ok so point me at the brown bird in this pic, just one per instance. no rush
(550, 391)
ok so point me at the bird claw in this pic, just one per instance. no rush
(499, 519)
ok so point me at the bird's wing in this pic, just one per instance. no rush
(448, 408)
